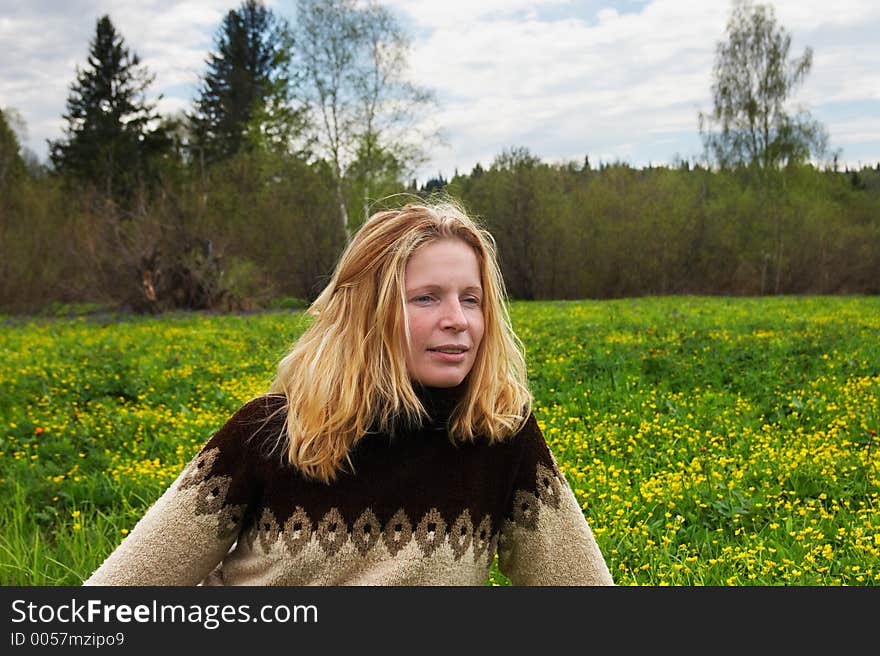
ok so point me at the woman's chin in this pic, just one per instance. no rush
(447, 379)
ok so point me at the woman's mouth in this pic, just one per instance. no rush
(449, 353)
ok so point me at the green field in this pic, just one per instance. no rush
(711, 441)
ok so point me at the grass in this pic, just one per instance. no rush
(710, 441)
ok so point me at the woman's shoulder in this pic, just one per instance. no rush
(523, 441)
(264, 407)
(247, 436)
(528, 431)
(260, 416)
(534, 450)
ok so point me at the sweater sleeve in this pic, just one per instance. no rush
(545, 538)
(191, 527)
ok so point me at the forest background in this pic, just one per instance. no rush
(302, 129)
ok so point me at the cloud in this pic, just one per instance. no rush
(570, 86)
(450, 14)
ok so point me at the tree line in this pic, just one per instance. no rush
(298, 131)
(568, 231)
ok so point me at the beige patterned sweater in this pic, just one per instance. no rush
(417, 510)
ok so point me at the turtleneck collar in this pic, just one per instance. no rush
(440, 401)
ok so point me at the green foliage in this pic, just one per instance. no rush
(67, 310)
(563, 232)
(277, 211)
(753, 80)
(12, 165)
(288, 303)
(569, 232)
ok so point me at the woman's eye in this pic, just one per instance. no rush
(468, 300)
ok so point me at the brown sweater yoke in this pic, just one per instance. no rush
(415, 510)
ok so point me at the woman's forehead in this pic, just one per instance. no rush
(442, 263)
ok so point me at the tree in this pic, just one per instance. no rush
(109, 138)
(434, 185)
(753, 80)
(353, 62)
(11, 163)
(245, 96)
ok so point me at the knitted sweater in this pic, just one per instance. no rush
(416, 510)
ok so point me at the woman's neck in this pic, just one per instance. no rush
(440, 402)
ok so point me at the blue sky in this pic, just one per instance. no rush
(618, 81)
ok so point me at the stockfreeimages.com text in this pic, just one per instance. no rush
(210, 616)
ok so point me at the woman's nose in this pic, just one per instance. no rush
(453, 316)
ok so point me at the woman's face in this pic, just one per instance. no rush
(444, 305)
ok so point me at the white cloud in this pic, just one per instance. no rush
(451, 13)
(865, 129)
(624, 75)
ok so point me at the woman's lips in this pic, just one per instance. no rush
(449, 357)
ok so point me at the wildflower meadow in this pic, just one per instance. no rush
(710, 440)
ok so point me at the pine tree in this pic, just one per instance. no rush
(108, 138)
(245, 96)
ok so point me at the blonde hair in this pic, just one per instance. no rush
(347, 372)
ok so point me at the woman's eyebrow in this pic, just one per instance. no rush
(470, 288)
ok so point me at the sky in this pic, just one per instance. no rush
(614, 80)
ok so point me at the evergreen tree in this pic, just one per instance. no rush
(245, 96)
(108, 138)
(434, 185)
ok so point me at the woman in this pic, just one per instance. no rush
(396, 445)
